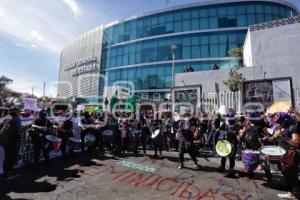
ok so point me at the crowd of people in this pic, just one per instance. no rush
(230, 137)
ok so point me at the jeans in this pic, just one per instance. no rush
(210, 139)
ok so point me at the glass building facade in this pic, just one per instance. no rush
(138, 50)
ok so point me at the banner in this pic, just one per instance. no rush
(268, 92)
(30, 104)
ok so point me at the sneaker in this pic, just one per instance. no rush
(285, 196)
(180, 167)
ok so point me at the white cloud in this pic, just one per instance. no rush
(39, 23)
(35, 35)
(73, 6)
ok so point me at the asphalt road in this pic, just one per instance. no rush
(110, 177)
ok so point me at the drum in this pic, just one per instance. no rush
(157, 137)
(55, 141)
(108, 135)
(89, 140)
(251, 160)
(273, 157)
(75, 143)
(224, 148)
(274, 153)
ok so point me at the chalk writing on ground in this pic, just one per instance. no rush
(175, 187)
(140, 167)
(76, 193)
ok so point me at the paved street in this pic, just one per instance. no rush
(108, 177)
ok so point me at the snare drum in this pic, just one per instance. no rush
(272, 153)
(224, 148)
(74, 143)
(251, 160)
(273, 157)
(89, 140)
(55, 141)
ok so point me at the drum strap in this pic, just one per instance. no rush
(289, 158)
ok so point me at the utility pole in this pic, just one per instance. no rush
(44, 100)
(32, 91)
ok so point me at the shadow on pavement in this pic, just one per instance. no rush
(31, 179)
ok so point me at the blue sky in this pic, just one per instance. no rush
(33, 32)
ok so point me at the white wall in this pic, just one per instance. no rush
(247, 52)
(274, 50)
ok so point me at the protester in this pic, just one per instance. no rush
(14, 143)
(186, 143)
(41, 126)
(65, 132)
(3, 113)
(231, 136)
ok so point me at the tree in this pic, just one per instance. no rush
(4, 81)
(4, 91)
(236, 53)
(234, 80)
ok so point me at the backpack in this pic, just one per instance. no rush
(5, 132)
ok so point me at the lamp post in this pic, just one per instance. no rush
(173, 49)
(32, 91)
(44, 100)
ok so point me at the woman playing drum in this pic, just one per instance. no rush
(289, 139)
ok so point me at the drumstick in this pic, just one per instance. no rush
(38, 127)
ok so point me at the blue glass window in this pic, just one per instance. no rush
(186, 25)
(250, 9)
(195, 24)
(231, 10)
(221, 11)
(241, 20)
(204, 51)
(222, 50)
(196, 51)
(186, 15)
(250, 19)
(203, 23)
(241, 9)
(276, 11)
(195, 14)
(213, 12)
(177, 16)
(204, 12)
(204, 39)
(178, 26)
(169, 17)
(213, 22)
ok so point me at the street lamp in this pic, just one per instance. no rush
(173, 49)
(44, 100)
(32, 91)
